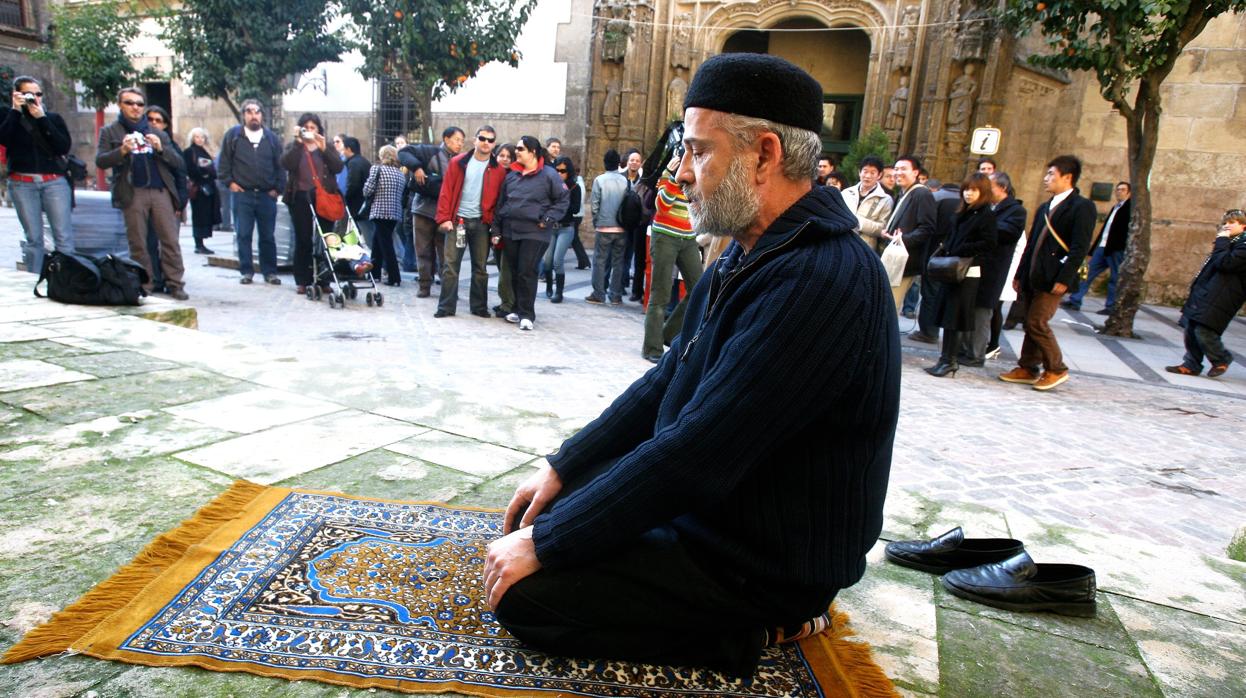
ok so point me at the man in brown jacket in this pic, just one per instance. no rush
(143, 186)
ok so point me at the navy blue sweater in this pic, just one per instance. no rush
(764, 437)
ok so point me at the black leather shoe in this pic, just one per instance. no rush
(951, 551)
(1019, 584)
(919, 336)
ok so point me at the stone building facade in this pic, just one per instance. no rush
(929, 72)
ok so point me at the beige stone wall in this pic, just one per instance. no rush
(1197, 172)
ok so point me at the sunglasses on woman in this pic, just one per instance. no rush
(561, 170)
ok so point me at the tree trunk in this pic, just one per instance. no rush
(101, 184)
(1142, 127)
(423, 92)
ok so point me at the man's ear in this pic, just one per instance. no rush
(769, 156)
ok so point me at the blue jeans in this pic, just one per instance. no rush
(254, 209)
(609, 250)
(1100, 262)
(34, 199)
(911, 299)
(558, 249)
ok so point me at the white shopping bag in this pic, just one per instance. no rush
(895, 256)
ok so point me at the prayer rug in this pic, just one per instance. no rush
(372, 593)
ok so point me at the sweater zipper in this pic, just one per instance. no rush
(717, 294)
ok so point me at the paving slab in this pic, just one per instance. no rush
(535, 433)
(461, 453)
(282, 452)
(20, 374)
(385, 474)
(1207, 585)
(52, 524)
(981, 656)
(253, 410)
(495, 493)
(76, 402)
(113, 364)
(74, 456)
(892, 608)
(910, 515)
(41, 349)
(24, 332)
(1189, 654)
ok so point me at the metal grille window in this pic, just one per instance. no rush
(395, 110)
(12, 13)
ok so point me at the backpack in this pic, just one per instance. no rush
(89, 281)
(631, 210)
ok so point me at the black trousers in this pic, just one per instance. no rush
(383, 249)
(304, 222)
(928, 311)
(581, 256)
(640, 257)
(648, 602)
(524, 256)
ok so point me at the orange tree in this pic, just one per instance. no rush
(1131, 46)
(234, 49)
(434, 46)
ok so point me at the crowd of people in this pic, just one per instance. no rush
(418, 207)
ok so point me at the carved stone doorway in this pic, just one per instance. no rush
(838, 57)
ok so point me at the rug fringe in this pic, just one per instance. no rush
(857, 660)
(109, 596)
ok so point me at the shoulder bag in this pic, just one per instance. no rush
(947, 269)
(329, 206)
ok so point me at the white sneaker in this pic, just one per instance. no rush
(525, 324)
(992, 354)
(513, 317)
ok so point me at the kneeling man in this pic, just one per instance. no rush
(721, 502)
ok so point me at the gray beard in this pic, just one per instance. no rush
(731, 210)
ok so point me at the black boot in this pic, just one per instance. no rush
(947, 361)
(560, 280)
(549, 283)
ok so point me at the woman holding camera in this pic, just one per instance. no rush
(532, 202)
(973, 236)
(308, 159)
(1216, 294)
(205, 211)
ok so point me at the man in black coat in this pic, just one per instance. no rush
(718, 506)
(1109, 251)
(1059, 240)
(357, 169)
(1216, 294)
(913, 220)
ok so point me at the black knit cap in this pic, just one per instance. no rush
(758, 85)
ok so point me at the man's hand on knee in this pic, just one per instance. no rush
(531, 498)
(510, 559)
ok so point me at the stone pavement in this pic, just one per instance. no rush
(114, 427)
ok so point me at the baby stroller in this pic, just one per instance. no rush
(342, 264)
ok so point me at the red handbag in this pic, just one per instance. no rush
(329, 206)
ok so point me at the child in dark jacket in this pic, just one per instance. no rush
(1216, 294)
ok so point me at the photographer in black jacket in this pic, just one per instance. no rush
(37, 142)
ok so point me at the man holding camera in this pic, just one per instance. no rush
(143, 187)
(37, 142)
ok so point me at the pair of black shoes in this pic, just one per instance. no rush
(998, 572)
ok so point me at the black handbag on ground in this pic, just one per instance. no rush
(86, 281)
(948, 270)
